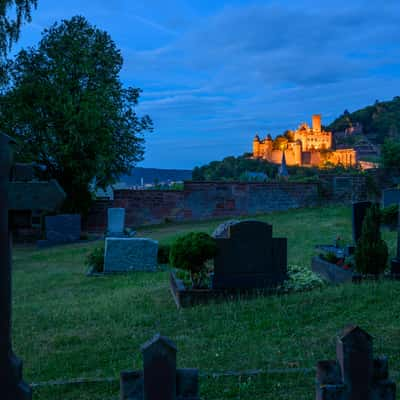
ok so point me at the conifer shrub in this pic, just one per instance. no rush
(163, 253)
(190, 252)
(371, 254)
(389, 215)
(95, 259)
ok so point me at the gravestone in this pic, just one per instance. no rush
(355, 375)
(390, 197)
(12, 198)
(359, 212)
(116, 221)
(160, 379)
(63, 228)
(130, 254)
(395, 264)
(250, 258)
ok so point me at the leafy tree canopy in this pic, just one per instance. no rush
(10, 26)
(67, 108)
(12, 15)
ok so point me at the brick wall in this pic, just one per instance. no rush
(202, 200)
(224, 199)
(149, 206)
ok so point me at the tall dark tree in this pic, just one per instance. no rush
(68, 109)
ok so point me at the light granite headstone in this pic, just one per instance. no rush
(116, 221)
(130, 254)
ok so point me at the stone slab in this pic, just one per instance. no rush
(130, 254)
(330, 272)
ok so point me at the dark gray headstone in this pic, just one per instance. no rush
(390, 197)
(250, 258)
(359, 212)
(355, 375)
(63, 228)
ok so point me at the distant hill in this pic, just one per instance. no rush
(152, 175)
(376, 121)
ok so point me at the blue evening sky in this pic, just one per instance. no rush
(214, 73)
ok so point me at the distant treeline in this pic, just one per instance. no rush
(244, 168)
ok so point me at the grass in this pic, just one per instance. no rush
(67, 325)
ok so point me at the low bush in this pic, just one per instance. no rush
(300, 279)
(191, 252)
(95, 259)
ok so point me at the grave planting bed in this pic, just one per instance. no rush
(66, 326)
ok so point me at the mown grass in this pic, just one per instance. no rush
(67, 325)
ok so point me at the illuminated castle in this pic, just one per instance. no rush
(306, 146)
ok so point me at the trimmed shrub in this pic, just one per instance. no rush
(95, 259)
(163, 253)
(190, 252)
(371, 254)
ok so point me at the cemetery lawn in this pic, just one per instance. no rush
(69, 326)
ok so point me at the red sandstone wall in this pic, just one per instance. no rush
(202, 200)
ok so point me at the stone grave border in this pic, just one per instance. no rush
(185, 297)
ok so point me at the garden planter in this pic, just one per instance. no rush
(187, 297)
(331, 273)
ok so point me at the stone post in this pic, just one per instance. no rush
(160, 379)
(11, 385)
(355, 375)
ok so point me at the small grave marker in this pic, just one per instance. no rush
(355, 375)
(116, 221)
(160, 380)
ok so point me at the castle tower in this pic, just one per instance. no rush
(256, 146)
(267, 147)
(316, 122)
(297, 148)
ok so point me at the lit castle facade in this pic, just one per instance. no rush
(306, 146)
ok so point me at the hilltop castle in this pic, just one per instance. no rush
(306, 146)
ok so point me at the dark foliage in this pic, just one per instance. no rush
(379, 121)
(163, 253)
